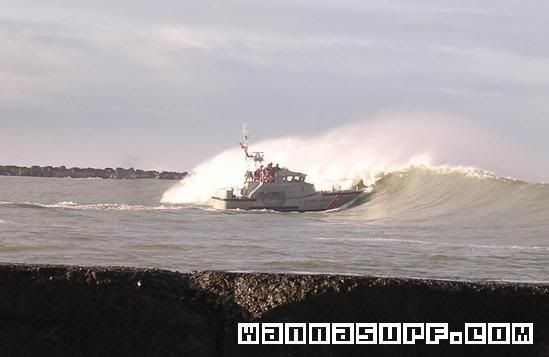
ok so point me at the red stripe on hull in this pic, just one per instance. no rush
(336, 202)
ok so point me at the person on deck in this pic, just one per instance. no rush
(269, 174)
(257, 174)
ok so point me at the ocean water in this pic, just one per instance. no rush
(417, 222)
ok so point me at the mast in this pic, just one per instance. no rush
(257, 156)
(244, 143)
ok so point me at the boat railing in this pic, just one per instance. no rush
(251, 193)
(342, 184)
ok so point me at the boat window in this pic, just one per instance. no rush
(293, 178)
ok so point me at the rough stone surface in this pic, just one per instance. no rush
(91, 311)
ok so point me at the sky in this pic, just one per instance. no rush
(168, 84)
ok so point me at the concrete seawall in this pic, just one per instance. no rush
(80, 311)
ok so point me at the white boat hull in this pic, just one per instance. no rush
(319, 201)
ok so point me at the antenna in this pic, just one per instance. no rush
(256, 155)
(245, 137)
(245, 134)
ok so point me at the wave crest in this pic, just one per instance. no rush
(456, 196)
(362, 151)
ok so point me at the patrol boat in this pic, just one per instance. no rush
(279, 189)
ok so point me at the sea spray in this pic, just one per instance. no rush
(360, 151)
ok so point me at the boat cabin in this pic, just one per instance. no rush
(285, 175)
(274, 174)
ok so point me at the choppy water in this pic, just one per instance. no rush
(418, 222)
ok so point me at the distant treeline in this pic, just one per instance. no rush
(76, 172)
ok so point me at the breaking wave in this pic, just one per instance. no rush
(451, 196)
(376, 152)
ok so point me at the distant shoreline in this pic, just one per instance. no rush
(77, 172)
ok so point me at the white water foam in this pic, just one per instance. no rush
(107, 206)
(425, 242)
(363, 150)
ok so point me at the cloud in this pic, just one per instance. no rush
(500, 65)
(182, 76)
